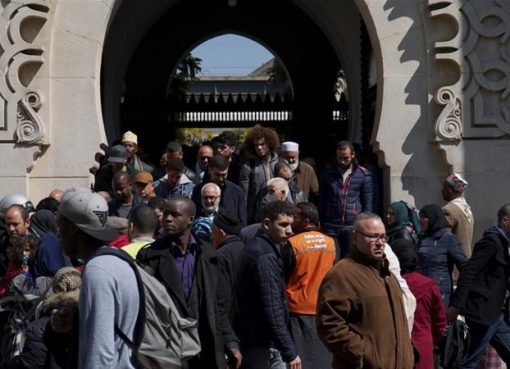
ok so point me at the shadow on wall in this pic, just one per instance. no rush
(426, 168)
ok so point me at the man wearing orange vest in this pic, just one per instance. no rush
(308, 256)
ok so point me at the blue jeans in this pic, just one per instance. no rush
(262, 358)
(497, 334)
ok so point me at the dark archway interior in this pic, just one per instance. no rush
(287, 31)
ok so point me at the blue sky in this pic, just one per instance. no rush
(230, 55)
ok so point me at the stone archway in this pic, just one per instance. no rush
(442, 101)
(310, 59)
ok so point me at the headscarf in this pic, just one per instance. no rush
(43, 222)
(405, 216)
(437, 220)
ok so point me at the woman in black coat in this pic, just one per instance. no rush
(439, 250)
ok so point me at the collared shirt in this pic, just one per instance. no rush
(186, 264)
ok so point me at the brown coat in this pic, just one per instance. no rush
(361, 317)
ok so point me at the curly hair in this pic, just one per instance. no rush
(257, 132)
(19, 243)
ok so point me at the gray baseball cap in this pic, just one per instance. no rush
(88, 211)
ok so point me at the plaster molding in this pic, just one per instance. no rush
(448, 126)
(30, 129)
(479, 101)
(20, 59)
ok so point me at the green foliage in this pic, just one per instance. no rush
(186, 71)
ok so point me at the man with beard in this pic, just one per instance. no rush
(261, 318)
(260, 148)
(345, 192)
(134, 163)
(188, 268)
(303, 175)
(232, 196)
(210, 200)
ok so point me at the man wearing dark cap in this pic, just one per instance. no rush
(225, 238)
(109, 299)
(117, 159)
(345, 192)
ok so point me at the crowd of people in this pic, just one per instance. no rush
(278, 267)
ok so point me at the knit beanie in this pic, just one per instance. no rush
(227, 221)
(66, 279)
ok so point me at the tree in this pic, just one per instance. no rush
(187, 70)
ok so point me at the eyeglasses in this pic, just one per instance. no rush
(374, 237)
(205, 158)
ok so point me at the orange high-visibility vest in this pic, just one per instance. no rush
(315, 254)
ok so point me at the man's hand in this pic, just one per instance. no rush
(296, 363)
(234, 358)
(452, 313)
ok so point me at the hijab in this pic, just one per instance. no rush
(437, 220)
(405, 217)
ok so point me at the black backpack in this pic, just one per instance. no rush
(454, 345)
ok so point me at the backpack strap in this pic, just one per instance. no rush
(140, 320)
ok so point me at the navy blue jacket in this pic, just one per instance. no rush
(437, 255)
(261, 317)
(340, 203)
(233, 198)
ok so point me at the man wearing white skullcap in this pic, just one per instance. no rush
(134, 163)
(304, 176)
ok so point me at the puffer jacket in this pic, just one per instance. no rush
(253, 179)
(341, 202)
(261, 314)
(437, 254)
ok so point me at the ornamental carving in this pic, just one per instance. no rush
(478, 103)
(20, 59)
(448, 126)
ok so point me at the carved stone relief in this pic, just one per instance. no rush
(20, 59)
(478, 104)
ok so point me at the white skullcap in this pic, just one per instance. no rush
(290, 146)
